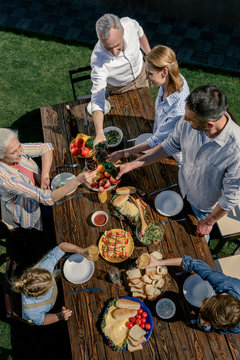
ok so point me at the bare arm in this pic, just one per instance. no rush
(205, 226)
(83, 177)
(167, 262)
(154, 155)
(98, 118)
(46, 165)
(128, 152)
(144, 44)
(52, 318)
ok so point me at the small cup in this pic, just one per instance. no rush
(93, 252)
(165, 308)
(97, 216)
(114, 275)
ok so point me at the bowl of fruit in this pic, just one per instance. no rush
(103, 179)
(81, 146)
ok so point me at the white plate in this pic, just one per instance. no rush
(141, 138)
(107, 107)
(77, 269)
(169, 203)
(62, 179)
(195, 289)
(114, 128)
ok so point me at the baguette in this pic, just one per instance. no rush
(120, 314)
(127, 304)
(126, 190)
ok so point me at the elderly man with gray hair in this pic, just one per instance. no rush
(117, 63)
(23, 187)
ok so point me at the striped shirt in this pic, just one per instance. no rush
(167, 113)
(20, 198)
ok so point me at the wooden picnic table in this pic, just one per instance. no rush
(133, 112)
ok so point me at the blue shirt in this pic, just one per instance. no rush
(210, 172)
(167, 113)
(37, 315)
(220, 282)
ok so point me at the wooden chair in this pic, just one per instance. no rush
(12, 299)
(74, 78)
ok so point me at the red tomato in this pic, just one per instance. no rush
(72, 145)
(142, 326)
(139, 316)
(75, 151)
(144, 314)
(147, 326)
(80, 143)
(138, 321)
(143, 320)
(84, 151)
(133, 319)
(129, 324)
(140, 311)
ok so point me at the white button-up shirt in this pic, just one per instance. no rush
(117, 70)
(210, 171)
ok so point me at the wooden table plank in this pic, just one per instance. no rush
(134, 113)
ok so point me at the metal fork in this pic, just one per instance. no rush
(69, 165)
(169, 221)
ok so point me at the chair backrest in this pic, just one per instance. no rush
(74, 77)
(229, 225)
(12, 299)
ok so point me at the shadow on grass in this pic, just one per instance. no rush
(29, 127)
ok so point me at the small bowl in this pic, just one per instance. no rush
(114, 128)
(157, 241)
(97, 213)
(169, 311)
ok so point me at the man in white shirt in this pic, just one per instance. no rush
(117, 63)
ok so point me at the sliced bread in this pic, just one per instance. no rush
(134, 274)
(139, 285)
(162, 270)
(147, 279)
(133, 348)
(157, 255)
(138, 294)
(136, 343)
(135, 289)
(136, 333)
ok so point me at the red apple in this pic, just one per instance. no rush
(94, 184)
(105, 183)
(114, 181)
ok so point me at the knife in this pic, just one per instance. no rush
(72, 197)
(85, 116)
(83, 290)
(159, 190)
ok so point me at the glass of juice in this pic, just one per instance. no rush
(143, 260)
(93, 252)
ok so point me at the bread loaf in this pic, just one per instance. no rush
(120, 314)
(126, 190)
(127, 304)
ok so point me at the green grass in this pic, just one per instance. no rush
(34, 73)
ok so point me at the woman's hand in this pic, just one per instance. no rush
(115, 156)
(86, 176)
(153, 262)
(45, 183)
(66, 313)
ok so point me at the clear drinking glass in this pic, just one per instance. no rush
(93, 252)
(114, 275)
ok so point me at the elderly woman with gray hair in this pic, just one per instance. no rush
(22, 186)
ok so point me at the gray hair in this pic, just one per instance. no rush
(107, 22)
(6, 135)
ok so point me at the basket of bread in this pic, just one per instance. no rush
(123, 204)
(127, 324)
(148, 283)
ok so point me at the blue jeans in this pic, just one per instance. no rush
(200, 215)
